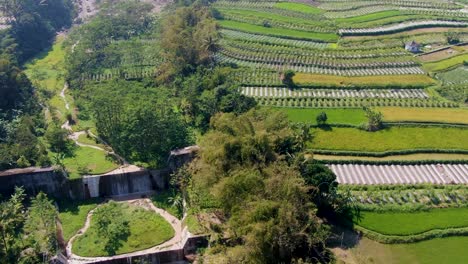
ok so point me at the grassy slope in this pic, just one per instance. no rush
(95, 160)
(305, 78)
(394, 138)
(147, 229)
(47, 74)
(434, 251)
(73, 216)
(445, 64)
(414, 223)
(303, 8)
(278, 32)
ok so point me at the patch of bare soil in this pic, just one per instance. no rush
(439, 55)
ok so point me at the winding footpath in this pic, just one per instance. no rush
(176, 242)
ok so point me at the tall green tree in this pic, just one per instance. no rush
(12, 217)
(189, 40)
(41, 226)
(111, 227)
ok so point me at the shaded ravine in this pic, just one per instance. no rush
(176, 242)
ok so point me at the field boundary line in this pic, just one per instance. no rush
(404, 239)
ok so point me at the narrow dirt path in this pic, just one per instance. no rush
(174, 243)
(62, 94)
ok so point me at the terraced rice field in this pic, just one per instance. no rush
(396, 138)
(401, 174)
(322, 79)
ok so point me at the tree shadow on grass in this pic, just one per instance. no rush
(116, 240)
(325, 127)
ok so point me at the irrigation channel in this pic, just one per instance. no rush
(401, 174)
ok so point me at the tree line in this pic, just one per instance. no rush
(33, 27)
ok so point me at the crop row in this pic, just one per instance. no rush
(401, 174)
(268, 9)
(454, 77)
(435, 12)
(401, 27)
(430, 197)
(255, 76)
(263, 55)
(333, 93)
(273, 40)
(352, 5)
(303, 24)
(335, 60)
(358, 12)
(244, 4)
(395, 54)
(140, 73)
(321, 70)
(350, 102)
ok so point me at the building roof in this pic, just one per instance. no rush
(413, 44)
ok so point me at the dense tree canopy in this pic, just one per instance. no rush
(189, 39)
(266, 215)
(138, 121)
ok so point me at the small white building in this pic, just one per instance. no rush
(413, 46)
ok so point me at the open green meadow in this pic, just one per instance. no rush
(398, 223)
(147, 229)
(389, 139)
(73, 214)
(278, 32)
(92, 159)
(350, 116)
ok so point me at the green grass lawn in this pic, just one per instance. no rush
(435, 251)
(415, 222)
(73, 215)
(278, 32)
(147, 229)
(303, 8)
(355, 116)
(445, 64)
(393, 138)
(351, 116)
(95, 160)
(88, 140)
